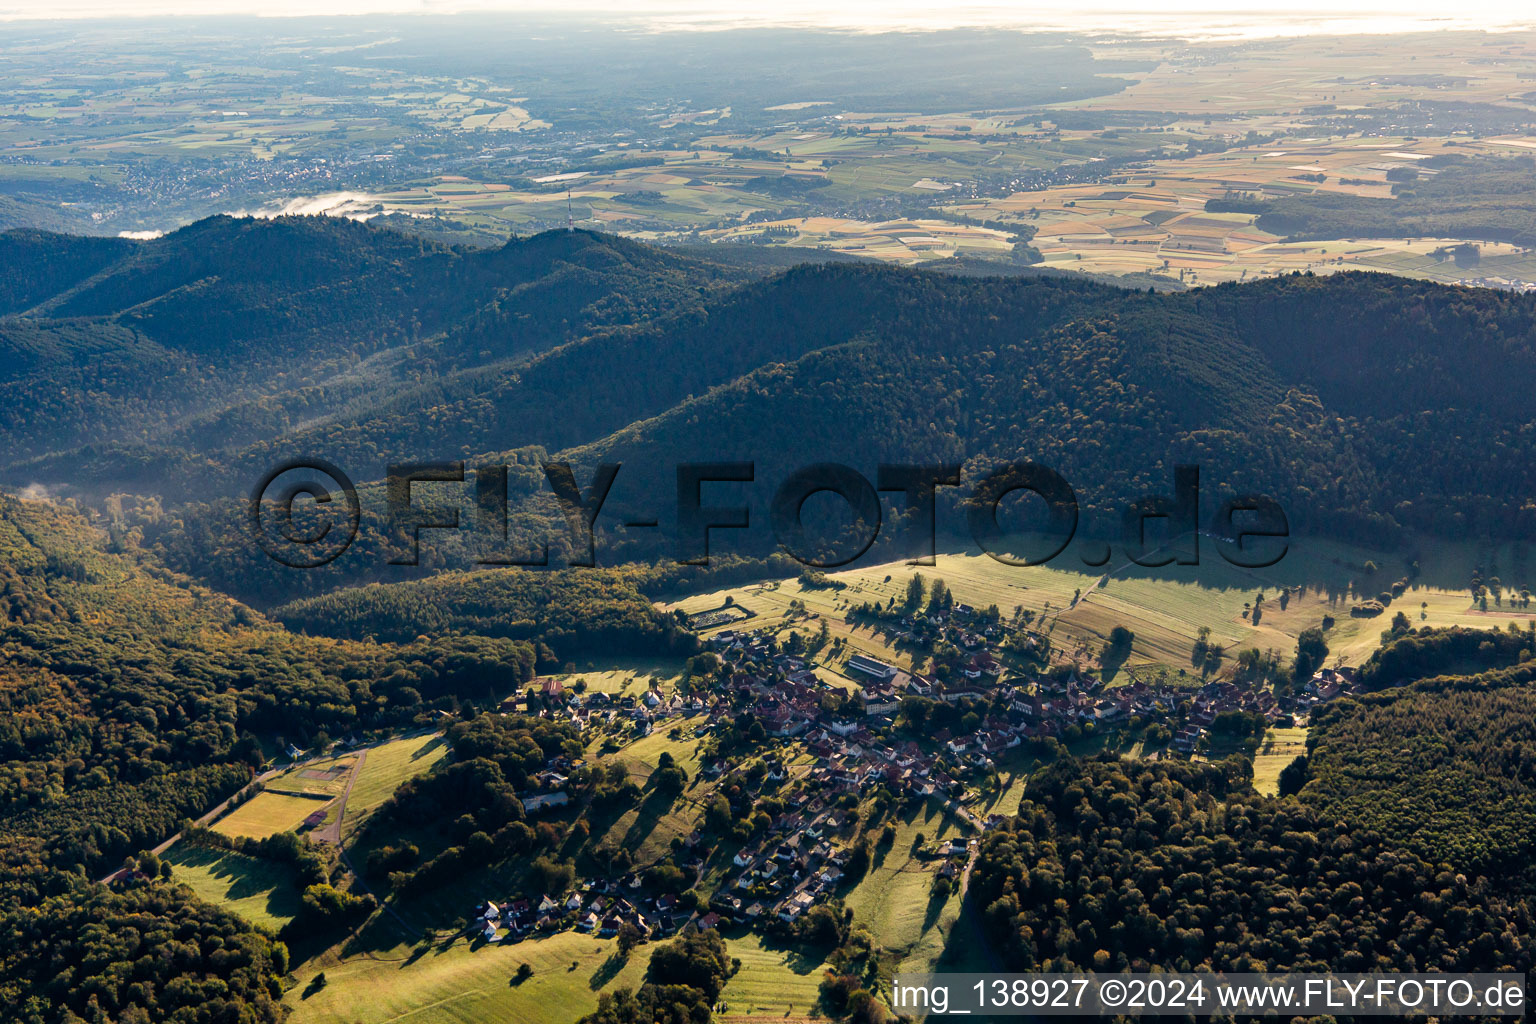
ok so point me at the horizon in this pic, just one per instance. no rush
(1192, 19)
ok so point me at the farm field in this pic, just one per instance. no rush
(1154, 221)
(1165, 608)
(1283, 75)
(267, 814)
(259, 891)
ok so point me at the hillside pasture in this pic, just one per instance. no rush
(383, 770)
(259, 891)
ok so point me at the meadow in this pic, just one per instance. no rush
(259, 891)
(1165, 609)
(893, 900)
(384, 768)
(467, 982)
(1279, 748)
(773, 984)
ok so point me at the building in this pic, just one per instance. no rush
(870, 668)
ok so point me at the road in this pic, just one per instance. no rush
(331, 831)
(208, 816)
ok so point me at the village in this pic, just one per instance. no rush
(837, 745)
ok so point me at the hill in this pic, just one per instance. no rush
(229, 331)
(1366, 405)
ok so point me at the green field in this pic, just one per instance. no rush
(625, 676)
(384, 768)
(267, 814)
(1280, 748)
(647, 830)
(471, 982)
(1165, 608)
(257, 890)
(774, 983)
(892, 900)
(468, 983)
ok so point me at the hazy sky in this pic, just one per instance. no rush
(1183, 17)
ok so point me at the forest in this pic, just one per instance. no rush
(1487, 198)
(134, 698)
(1113, 865)
(440, 354)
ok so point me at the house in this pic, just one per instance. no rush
(492, 912)
(880, 700)
(709, 921)
(920, 685)
(795, 906)
(489, 932)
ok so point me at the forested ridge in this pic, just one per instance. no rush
(135, 699)
(244, 329)
(1113, 865)
(1441, 757)
(1363, 403)
(567, 612)
(135, 696)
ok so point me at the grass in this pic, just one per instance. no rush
(267, 814)
(892, 899)
(625, 676)
(1165, 608)
(471, 982)
(774, 982)
(468, 982)
(257, 890)
(1280, 748)
(648, 828)
(384, 768)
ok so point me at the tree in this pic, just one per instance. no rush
(1293, 776)
(696, 959)
(915, 590)
(629, 937)
(1311, 652)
